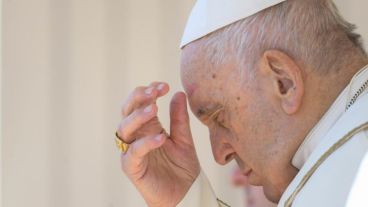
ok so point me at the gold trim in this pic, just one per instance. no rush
(222, 203)
(332, 149)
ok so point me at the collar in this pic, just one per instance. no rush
(356, 87)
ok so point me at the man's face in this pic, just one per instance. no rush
(243, 125)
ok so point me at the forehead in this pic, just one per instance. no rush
(197, 72)
(207, 85)
(193, 65)
(198, 66)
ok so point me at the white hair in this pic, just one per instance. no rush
(310, 31)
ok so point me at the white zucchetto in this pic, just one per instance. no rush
(208, 16)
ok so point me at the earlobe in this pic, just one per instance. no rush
(287, 79)
(291, 104)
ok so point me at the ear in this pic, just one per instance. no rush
(285, 78)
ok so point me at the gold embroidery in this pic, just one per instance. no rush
(221, 203)
(332, 149)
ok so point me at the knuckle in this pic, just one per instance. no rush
(140, 117)
(138, 92)
(124, 112)
(137, 118)
(138, 97)
(125, 135)
(121, 127)
(124, 108)
(119, 131)
(123, 132)
(138, 89)
(131, 125)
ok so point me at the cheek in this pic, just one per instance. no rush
(241, 132)
(249, 144)
(250, 125)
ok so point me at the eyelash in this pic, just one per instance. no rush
(220, 122)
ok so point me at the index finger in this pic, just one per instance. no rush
(144, 95)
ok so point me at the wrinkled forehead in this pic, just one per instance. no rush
(192, 67)
(205, 83)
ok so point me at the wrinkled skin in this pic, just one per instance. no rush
(244, 128)
(258, 117)
(162, 166)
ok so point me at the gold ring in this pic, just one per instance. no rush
(122, 146)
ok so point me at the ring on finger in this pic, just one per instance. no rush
(121, 145)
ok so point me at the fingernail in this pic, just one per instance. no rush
(161, 86)
(148, 109)
(148, 90)
(158, 138)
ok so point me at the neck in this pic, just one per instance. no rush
(332, 84)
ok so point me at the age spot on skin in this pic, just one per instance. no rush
(214, 76)
(238, 98)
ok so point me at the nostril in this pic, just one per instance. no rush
(229, 157)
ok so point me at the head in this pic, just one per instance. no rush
(262, 83)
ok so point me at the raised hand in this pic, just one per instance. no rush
(161, 166)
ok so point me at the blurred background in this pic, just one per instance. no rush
(67, 67)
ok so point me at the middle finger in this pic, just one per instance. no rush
(134, 121)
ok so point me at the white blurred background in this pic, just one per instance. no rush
(67, 66)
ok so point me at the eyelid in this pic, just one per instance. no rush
(216, 113)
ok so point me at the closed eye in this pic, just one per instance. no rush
(217, 117)
(215, 114)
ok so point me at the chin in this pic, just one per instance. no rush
(272, 194)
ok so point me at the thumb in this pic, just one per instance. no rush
(179, 119)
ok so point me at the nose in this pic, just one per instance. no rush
(222, 150)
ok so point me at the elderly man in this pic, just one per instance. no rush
(282, 87)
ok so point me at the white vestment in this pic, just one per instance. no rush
(333, 159)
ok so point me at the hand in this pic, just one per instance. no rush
(161, 166)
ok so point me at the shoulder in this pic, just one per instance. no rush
(332, 182)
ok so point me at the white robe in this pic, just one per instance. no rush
(333, 159)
